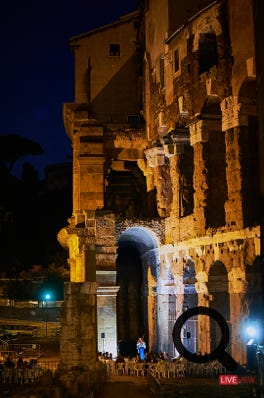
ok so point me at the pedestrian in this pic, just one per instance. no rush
(141, 346)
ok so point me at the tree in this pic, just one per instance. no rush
(54, 278)
(13, 147)
(16, 289)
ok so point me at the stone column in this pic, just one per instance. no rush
(165, 291)
(203, 326)
(200, 132)
(80, 371)
(156, 161)
(239, 306)
(88, 166)
(106, 311)
(232, 119)
(198, 136)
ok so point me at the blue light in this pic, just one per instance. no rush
(251, 331)
(47, 296)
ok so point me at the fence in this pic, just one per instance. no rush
(26, 374)
(51, 365)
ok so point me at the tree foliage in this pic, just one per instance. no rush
(14, 146)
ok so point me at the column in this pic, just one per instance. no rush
(106, 311)
(79, 368)
(232, 119)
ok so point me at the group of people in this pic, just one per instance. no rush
(131, 362)
(20, 371)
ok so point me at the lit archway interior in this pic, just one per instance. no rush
(135, 253)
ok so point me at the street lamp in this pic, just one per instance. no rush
(255, 352)
(251, 331)
(47, 298)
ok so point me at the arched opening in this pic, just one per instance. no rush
(126, 192)
(215, 153)
(249, 149)
(186, 166)
(208, 56)
(218, 299)
(135, 257)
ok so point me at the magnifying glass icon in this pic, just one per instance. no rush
(219, 352)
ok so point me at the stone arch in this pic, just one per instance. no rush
(136, 264)
(186, 190)
(253, 287)
(206, 25)
(249, 138)
(211, 105)
(207, 47)
(215, 154)
(219, 298)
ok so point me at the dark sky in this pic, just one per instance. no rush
(36, 68)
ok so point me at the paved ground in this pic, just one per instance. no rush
(138, 387)
(126, 387)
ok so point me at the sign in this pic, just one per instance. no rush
(231, 380)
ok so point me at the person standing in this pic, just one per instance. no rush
(141, 346)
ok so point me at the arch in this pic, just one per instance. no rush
(207, 47)
(249, 138)
(137, 255)
(215, 155)
(140, 238)
(248, 89)
(211, 105)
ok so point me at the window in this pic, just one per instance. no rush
(176, 61)
(146, 5)
(207, 52)
(162, 71)
(114, 50)
(134, 121)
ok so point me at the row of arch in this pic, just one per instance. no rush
(148, 302)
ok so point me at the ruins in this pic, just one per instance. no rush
(166, 179)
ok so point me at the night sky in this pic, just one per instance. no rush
(36, 68)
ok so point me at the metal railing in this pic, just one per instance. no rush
(28, 373)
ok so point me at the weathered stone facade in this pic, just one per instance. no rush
(171, 204)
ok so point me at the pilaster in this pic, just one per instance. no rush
(198, 136)
(234, 115)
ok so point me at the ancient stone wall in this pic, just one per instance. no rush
(179, 197)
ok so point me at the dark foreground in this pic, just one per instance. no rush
(139, 387)
(127, 386)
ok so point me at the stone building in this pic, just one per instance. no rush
(166, 176)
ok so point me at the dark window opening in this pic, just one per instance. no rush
(215, 151)
(176, 61)
(146, 5)
(190, 44)
(114, 50)
(162, 71)
(134, 121)
(207, 52)
(249, 138)
(186, 191)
